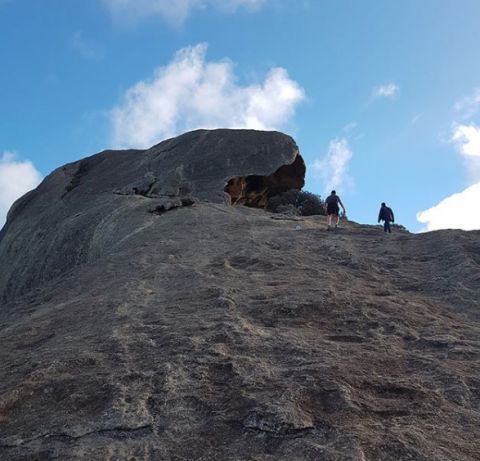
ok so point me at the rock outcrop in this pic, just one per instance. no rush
(87, 209)
(144, 317)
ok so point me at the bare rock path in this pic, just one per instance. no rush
(228, 333)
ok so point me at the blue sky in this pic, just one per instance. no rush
(382, 97)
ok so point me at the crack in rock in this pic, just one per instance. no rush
(115, 432)
(272, 426)
(170, 204)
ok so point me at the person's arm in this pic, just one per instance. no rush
(341, 204)
(393, 217)
(380, 215)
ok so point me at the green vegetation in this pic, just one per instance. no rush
(302, 203)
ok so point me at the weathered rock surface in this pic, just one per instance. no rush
(218, 332)
(85, 210)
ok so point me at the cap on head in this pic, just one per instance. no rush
(383, 204)
(333, 192)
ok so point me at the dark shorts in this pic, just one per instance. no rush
(332, 208)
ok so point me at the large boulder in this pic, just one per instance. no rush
(86, 209)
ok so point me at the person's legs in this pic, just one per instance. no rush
(332, 216)
(386, 227)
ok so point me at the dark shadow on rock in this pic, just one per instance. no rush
(255, 190)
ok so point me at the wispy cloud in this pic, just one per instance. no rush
(350, 131)
(349, 127)
(332, 170)
(468, 106)
(458, 211)
(389, 90)
(16, 178)
(190, 93)
(174, 11)
(415, 119)
(467, 139)
(87, 48)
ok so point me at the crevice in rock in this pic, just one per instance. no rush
(171, 203)
(256, 190)
(116, 432)
(273, 427)
(146, 187)
(145, 191)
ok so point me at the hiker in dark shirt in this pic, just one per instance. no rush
(386, 215)
(331, 207)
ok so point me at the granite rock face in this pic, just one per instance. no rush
(86, 209)
(185, 328)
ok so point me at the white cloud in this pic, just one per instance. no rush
(87, 48)
(385, 91)
(467, 107)
(332, 170)
(16, 178)
(174, 11)
(458, 211)
(467, 138)
(192, 93)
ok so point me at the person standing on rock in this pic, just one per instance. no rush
(386, 215)
(332, 209)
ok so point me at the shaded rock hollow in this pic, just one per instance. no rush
(256, 190)
(221, 332)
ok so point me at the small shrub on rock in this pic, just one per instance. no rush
(288, 209)
(398, 227)
(305, 203)
(310, 204)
